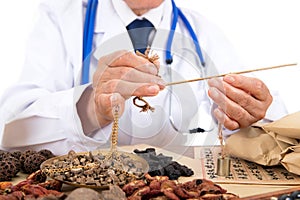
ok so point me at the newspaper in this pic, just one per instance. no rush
(242, 171)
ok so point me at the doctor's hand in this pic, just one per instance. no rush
(119, 76)
(241, 101)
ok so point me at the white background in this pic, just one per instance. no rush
(264, 33)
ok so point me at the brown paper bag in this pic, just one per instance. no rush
(254, 144)
(283, 141)
(285, 131)
(269, 144)
(287, 126)
(291, 159)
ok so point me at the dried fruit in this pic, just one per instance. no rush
(32, 162)
(7, 170)
(160, 187)
(161, 165)
(12, 162)
(24, 155)
(16, 154)
(46, 153)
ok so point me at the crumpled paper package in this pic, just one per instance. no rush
(291, 159)
(288, 126)
(269, 144)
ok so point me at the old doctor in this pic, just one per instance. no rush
(50, 107)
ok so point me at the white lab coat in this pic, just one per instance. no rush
(40, 111)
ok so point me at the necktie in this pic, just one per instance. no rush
(139, 31)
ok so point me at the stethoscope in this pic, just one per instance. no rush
(88, 33)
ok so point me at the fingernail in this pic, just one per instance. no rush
(153, 89)
(159, 81)
(229, 79)
(213, 92)
(152, 69)
(212, 81)
(113, 97)
(218, 114)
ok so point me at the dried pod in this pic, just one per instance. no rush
(32, 163)
(16, 154)
(25, 154)
(7, 170)
(46, 153)
(4, 154)
(16, 162)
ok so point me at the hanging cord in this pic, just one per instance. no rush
(152, 59)
(221, 139)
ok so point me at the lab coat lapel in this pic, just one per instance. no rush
(160, 40)
(111, 31)
(72, 33)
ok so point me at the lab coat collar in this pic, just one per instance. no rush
(84, 2)
(155, 16)
(105, 19)
(162, 32)
(127, 15)
(110, 25)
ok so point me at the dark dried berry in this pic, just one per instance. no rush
(185, 171)
(137, 151)
(149, 150)
(161, 165)
(199, 181)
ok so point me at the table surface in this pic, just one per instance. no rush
(185, 155)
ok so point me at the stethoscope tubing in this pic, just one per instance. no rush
(89, 31)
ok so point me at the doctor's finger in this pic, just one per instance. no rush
(225, 120)
(130, 75)
(105, 104)
(128, 89)
(233, 110)
(251, 85)
(234, 117)
(129, 59)
(253, 106)
(217, 83)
